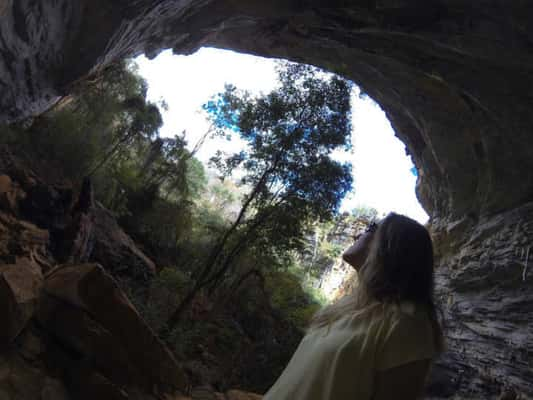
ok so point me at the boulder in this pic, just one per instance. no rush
(54, 389)
(84, 308)
(47, 206)
(10, 194)
(30, 344)
(22, 239)
(239, 395)
(20, 380)
(116, 251)
(204, 394)
(75, 242)
(20, 286)
(5, 184)
(17, 168)
(86, 384)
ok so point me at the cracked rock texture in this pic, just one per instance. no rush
(453, 76)
(68, 330)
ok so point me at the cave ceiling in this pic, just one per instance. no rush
(454, 77)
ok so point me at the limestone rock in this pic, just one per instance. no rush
(10, 195)
(9, 200)
(20, 286)
(75, 335)
(484, 286)
(48, 206)
(239, 395)
(116, 251)
(86, 384)
(19, 380)
(203, 393)
(206, 394)
(31, 345)
(5, 184)
(54, 389)
(19, 238)
(75, 242)
(16, 169)
(85, 308)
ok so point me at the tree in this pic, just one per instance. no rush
(108, 130)
(287, 165)
(325, 242)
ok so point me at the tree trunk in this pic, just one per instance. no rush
(204, 278)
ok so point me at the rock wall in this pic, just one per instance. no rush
(453, 76)
(68, 330)
(484, 285)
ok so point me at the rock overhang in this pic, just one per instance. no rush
(453, 78)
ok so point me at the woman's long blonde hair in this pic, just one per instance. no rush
(399, 267)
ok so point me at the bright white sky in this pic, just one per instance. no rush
(382, 171)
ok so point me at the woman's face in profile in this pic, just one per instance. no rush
(356, 254)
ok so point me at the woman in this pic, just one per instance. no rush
(378, 342)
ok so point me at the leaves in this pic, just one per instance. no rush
(291, 133)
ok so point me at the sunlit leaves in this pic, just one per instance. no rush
(290, 134)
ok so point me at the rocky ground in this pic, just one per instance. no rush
(70, 332)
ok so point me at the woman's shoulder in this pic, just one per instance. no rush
(406, 312)
(407, 323)
(408, 335)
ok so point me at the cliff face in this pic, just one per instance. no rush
(68, 330)
(485, 282)
(454, 77)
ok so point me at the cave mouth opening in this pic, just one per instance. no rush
(384, 174)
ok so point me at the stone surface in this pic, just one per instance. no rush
(48, 206)
(73, 334)
(85, 308)
(77, 229)
(239, 395)
(5, 184)
(19, 238)
(19, 380)
(116, 251)
(16, 169)
(54, 389)
(20, 286)
(76, 241)
(206, 394)
(484, 285)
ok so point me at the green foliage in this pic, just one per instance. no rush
(87, 128)
(108, 130)
(290, 299)
(324, 244)
(163, 295)
(286, 167)
(184, 339)
(290, 133)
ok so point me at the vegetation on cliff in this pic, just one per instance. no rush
(237, 259)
